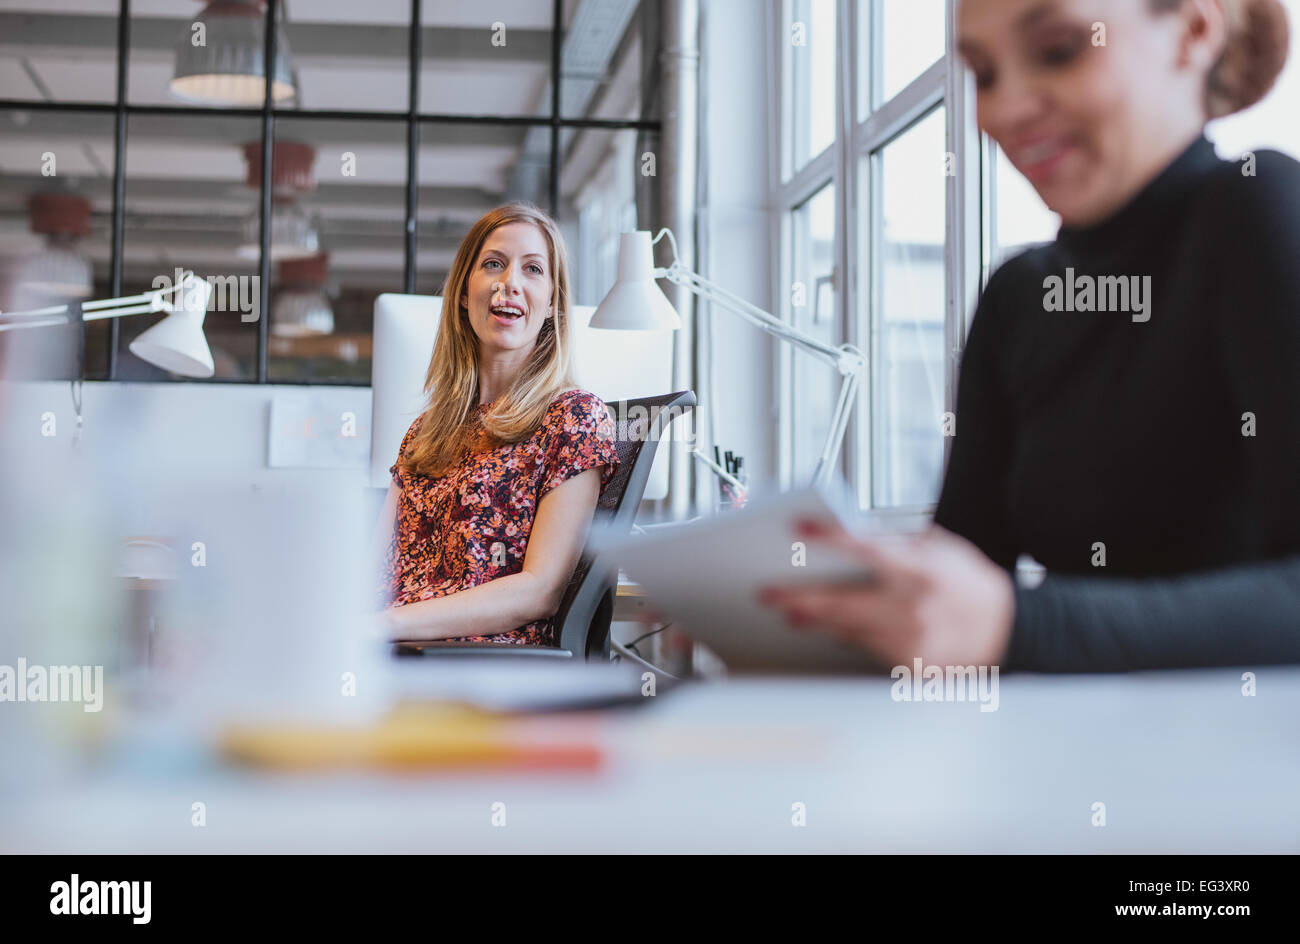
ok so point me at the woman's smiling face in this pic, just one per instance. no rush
(1089, 99)
(510, 289)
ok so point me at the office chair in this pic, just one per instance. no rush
(587, 607)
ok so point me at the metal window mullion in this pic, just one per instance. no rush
(557, 62)
(264, 223)
(875, 227)
(875, 35)
(121, 110)
(119, 183)
(962, 231)
(862, 64)
(783, 57)
(841, 283)
(809, 179)
(331, 114)
(902, 111)
(414, 53)
(779, 141)
(882, 126)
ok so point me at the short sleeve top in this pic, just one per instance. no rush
(471, 525)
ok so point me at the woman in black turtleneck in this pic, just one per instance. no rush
(1128, 410)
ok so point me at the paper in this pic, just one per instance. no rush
(313, 432)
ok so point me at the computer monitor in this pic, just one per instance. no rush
(614, 365)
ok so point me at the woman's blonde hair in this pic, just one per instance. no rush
(452, 380)
(1259, 36)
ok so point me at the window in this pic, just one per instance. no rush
(463, 35)
(368, 188)
(325, 276)
(809, 44)
(907, 330)
(598, 193)
(1018, 218)
(193, 213)
(38, 63)
(911, 244)
(57, 205)
(879, 219)
(911, 33)
(807, 290)
(813, 302)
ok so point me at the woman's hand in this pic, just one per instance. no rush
(935, 596)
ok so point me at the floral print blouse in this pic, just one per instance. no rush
(471, 525)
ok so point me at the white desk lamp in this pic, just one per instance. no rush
(637, 303)
(176, 343)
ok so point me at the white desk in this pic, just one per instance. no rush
(1183, 761)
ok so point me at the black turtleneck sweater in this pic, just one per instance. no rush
(1148, 459)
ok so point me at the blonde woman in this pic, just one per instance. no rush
(1146, 454)
(496, 482)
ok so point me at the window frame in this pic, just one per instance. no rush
(121, 109)
(857, 282)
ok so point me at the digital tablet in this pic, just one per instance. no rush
(706, 575)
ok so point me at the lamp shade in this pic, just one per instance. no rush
(224, 63)
(177, 343)
(635, 303)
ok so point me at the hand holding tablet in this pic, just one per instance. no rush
(743, 583)
(707, 574)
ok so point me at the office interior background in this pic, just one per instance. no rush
(819, 158)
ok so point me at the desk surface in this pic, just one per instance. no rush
(1182, 761)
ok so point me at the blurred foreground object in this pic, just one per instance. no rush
(436, 735)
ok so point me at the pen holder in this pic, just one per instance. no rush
(729, 497)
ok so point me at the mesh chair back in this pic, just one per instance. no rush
(583, 619)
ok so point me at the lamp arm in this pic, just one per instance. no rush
(847, 359)
(839, 425)
(86, 315)
(678, 274)
(108, 307)
(844, 357)
(672, 240)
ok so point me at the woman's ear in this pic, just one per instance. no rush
(1204, 33)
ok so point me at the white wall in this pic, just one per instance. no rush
(147, 435)
(735, 241)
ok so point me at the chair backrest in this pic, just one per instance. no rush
(582, 621)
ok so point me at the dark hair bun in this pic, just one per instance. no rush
(1259, 36)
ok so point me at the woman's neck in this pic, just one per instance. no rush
(497, 373)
